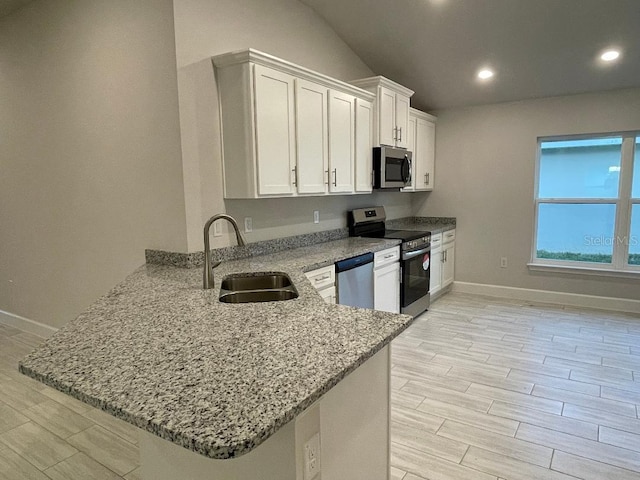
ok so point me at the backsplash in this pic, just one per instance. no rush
(196, 259)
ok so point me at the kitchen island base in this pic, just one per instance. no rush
(352, 419)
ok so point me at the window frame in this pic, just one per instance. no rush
(619, 265)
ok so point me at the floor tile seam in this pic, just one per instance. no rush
(48, 429)
(88, 454)
(25, 459)
(596, 451)
(635, 472)
(10, 447)
(520, 461)
(613, 444)
(98, 424)
(592, 407)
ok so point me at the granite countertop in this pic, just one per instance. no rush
(161, 353)
(434, 225)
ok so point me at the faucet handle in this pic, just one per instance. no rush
(215, 264)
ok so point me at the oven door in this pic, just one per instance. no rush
(414, 288)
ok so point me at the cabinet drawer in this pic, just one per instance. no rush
(448, 236)
(436, 242)
(328, 294)
(385, 257)
(322, 277)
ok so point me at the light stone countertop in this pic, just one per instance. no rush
(161, 353)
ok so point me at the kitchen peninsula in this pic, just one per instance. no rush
(245, 386)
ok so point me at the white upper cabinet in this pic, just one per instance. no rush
(364, 142)
(392, 110)
(421, 141)
(287, 130)
(424, 152)
(342, 124)
(311, 135)
(275, 131)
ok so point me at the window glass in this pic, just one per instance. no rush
(576, 232)
(635, 190)
(634, 236)
(588, 168)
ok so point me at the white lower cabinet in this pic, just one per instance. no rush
(386, 280)
(324, 280)
(442, 261)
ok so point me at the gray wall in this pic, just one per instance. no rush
(89, 150)
(485, 167)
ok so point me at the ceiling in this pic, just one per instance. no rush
(538, 48)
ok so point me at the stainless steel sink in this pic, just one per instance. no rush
(258, 281)
(249, 296)
(257, 287)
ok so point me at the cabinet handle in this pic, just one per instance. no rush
(327, 173)
(391, 255)
(324, 277)
(400, 139)
(443, 258)
(372, 177)
(395, 133)
(335, 177)
(294, 170)
(426, 179)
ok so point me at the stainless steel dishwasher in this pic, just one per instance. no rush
(355, 281)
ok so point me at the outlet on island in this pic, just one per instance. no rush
(248, 224)
(316, 216)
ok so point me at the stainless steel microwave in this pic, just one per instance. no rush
(391, 167)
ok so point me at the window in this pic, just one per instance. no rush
(587, 203)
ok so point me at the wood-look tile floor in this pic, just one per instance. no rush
(485, 388)
(46, 435)
(482, 388)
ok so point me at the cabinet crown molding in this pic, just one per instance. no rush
(420, 114)
(261, 58)
(381, 81)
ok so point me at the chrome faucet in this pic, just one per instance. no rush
(207, 279)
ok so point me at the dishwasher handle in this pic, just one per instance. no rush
(354, 262)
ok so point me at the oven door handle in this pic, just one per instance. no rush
(409, 255)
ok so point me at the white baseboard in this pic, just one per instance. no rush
(26, 325)
(546, 296)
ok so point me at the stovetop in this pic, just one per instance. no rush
(406, 235)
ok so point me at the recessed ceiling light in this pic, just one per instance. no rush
(485, 74)
(610, 55)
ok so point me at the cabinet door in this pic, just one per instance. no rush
(435, 278)
(274, 130)
(402, 120)
(424, 154)
(387, 117)
(364, 146)
(312, 139)
(341, 142)
(411, 146)
(386, 288)
(448, 251)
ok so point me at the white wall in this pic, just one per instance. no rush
(284, 28)
(89, 150)
(485, 163)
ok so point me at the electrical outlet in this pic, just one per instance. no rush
(217, 229)
(248, 224)
(316, 216)
(503, 262)
(312, 458)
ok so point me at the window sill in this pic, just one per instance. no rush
(580, 270)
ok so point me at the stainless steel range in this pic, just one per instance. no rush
(415, 265)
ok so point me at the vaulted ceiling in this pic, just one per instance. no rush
(537, 48)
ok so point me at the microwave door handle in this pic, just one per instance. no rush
(407, 163)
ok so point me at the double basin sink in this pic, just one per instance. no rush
(257, 287)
